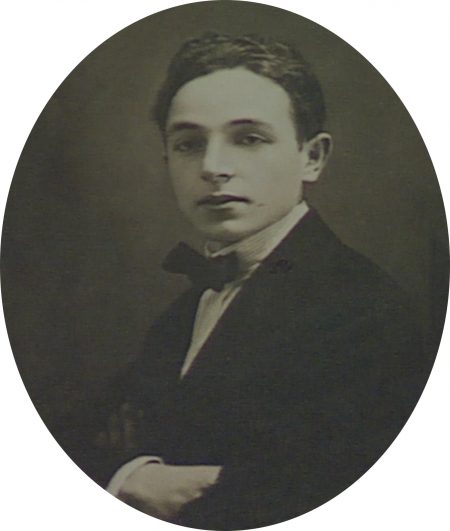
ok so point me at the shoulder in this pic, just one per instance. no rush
(322, 291)
(316, 264)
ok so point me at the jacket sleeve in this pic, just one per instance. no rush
(97, 436)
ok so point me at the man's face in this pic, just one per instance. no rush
(233, 154)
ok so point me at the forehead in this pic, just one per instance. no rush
(225, 96)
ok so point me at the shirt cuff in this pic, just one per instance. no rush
(116, 482)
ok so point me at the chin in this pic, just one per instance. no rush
(227, 232)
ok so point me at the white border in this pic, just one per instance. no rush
(41, 43)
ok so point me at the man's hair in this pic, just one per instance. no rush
(274, 60)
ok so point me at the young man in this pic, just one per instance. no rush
(292, 363)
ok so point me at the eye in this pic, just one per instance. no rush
(190, 145)
(252, 139)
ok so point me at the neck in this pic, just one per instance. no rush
(253, 249)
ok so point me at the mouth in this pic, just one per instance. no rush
(217, 200)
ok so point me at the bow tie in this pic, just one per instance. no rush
(203, 272)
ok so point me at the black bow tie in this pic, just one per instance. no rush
(202, 272)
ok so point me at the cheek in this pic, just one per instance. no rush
(182, 191)
(181, 177)
(278, 180)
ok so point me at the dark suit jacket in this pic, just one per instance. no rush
(306, 380)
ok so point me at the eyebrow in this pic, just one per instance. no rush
(255, 125)
(250, 121)
(182, 126)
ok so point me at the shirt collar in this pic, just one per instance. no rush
(251, 251)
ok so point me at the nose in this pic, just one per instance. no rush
(217, 164)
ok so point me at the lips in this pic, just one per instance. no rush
(221, 199)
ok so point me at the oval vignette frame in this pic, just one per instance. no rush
(290, 522)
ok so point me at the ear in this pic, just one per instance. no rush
(317, 151)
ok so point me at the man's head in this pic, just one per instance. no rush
(242, 122)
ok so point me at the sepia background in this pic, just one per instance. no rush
(90, 214)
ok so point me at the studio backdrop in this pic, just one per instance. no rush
(91, 215)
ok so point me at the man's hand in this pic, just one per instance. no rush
(162, 490)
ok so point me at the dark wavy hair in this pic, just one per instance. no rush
(277, 61)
